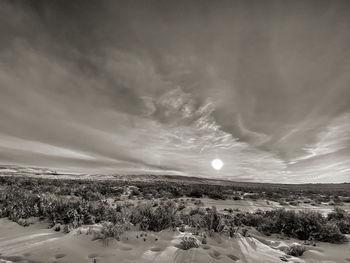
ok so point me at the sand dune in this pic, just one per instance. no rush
(36, 244)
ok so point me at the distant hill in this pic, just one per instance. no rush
(40, 172)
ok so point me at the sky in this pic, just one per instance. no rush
(165, 87)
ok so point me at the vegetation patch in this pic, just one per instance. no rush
(69, 204)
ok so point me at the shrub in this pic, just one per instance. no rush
(155, 218)
(66, 229)
(296, 250)
(195, 218)
(213, 220)
(110, 230)
(330, 233)
(23, 222)
(216, 195)
(197, 193)
(341, 218)
(302, 225)
(230, 210)
(198, 203)
(249, 219)
(244, 232)
(188, 243)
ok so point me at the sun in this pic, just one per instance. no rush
(217, 164)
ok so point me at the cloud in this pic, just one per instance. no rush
(168, 87)
(16, 143)
(335, 137)
(255, 138)
(333, 168)
(189, 141)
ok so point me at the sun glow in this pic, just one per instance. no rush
(217, 164)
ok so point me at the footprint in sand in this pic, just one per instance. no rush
(93, 255)
(57, 256)
(233, 257)
(215, 254)
(155, 249)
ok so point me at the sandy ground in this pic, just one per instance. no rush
(246, 205)
(37, 243)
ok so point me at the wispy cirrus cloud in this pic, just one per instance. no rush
(19, 144)
(334, 137)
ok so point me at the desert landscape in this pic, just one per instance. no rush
(131, 219)
(174, 131)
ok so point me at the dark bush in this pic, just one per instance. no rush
(188, 243)
(302, 225)
(341, 218)
(197, 193)
(296, 250)
(155, 218)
